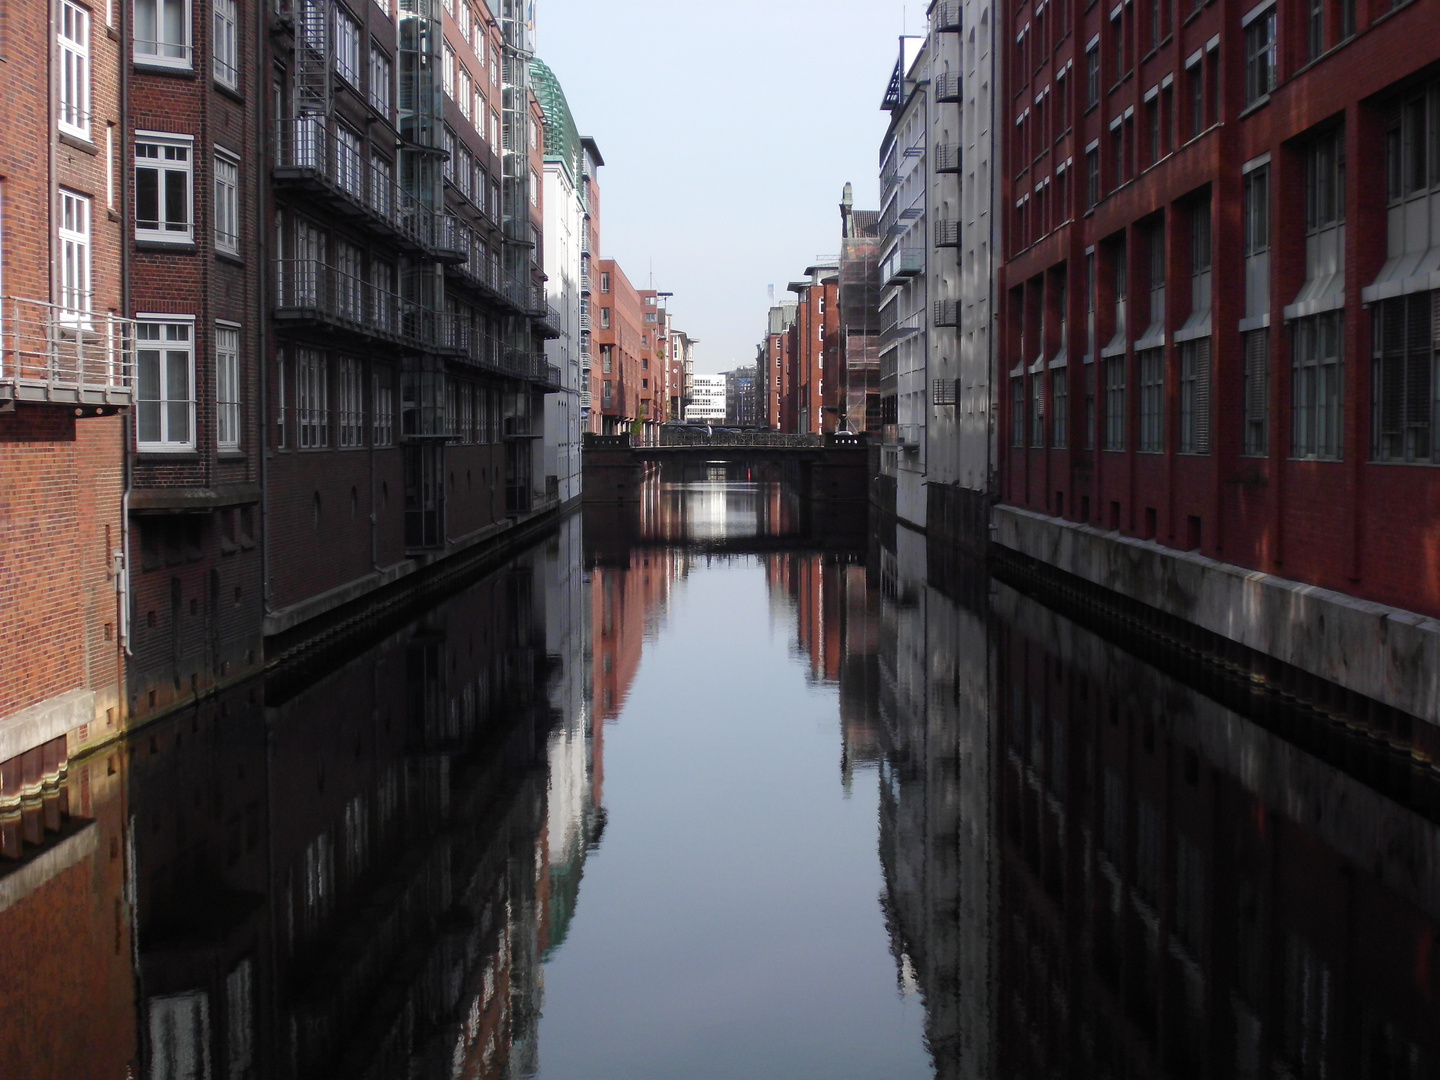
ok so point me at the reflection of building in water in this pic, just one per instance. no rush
(626, 603)
(64, 924)
(1187, 894)
(341, 879)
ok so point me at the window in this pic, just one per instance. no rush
(604, 282)
(1090, 406)
(1260, 57)
(349, 282)
(227, 387)
(1195, 79)
(224, 47)
(494, 65)
(1412, 144)
(1256, 434)
(1115, 403)
(1092, 176)
(607, 358)
(165, 368)
(312, 398)
(447, 71)
(1117, 39)
(1325, 181)
(467, 414)
(463, 91)
(1060, 421)
(495, 135)
(1092, 73)
(227, 204)
(384, 405)
(1315, 28)
(162, 188)
(348, 162)
(1403, 374)
(162, 33)
(1017, 410)
(534, 188)
(447, 142)
(1152, 400)
(1195, 396)
(1318, 367)
(604, 318)
(1152, 124)
(74, 63)
(351, 413)
(381, 79)
(1256, 211)
(74, 240)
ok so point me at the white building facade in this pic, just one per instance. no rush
(707, 399)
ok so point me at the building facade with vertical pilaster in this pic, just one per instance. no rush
(1216, 320)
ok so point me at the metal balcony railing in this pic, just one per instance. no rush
(904, 263)
(947, 16)
(947, 158)
(585, 320)
(947, 313)
(549, 322)
(947, 87)
(584, 399)
(585, 283)
(50, 353)
(947, 233)
(307, 154)
(308, 290)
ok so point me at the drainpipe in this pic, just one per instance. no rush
(262, 235)
(127, 463)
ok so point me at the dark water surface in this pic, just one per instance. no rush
(721, 787)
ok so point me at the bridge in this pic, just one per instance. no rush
(832, 468)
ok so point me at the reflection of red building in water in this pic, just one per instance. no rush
(1186, 894)
(623, 601)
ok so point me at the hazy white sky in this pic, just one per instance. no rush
(728, 131)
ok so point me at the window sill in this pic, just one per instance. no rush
(174, 247)
(231, 455)
(231, 257)
(1254, 107)
(78, 142)
(162, 453)
(157, 67)
(231, 92)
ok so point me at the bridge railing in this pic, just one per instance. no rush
(687, 437)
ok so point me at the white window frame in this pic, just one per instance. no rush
(312, 399)
(161, 232)
(174, 340)
(382, 79)
(73, 43)
(225, 49)
(383, 417)
(350, 414)
(349, 160)
(464, 90)
(73, 234)
(227, 386)
(160, 52)
(447, 71)
(227, 201)
(348, 38)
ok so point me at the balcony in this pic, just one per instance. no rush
(58, 355)
(308, 157)
(585, 399)
(902, 264)
(947, 313)
(947, 233)
(450, 241)
(947, 87)
(947, 17)
(585, 321)
(584, 283)
(947, 158)
(309, 292)
(549, 323)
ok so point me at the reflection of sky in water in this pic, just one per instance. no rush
(718, 509)
(729, 926)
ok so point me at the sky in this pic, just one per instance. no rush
(728, 132)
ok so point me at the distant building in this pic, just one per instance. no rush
(741, 399)
(775, 370)
(817, 353)
(708, 402)
(859, 310)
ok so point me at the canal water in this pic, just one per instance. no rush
(722, 786)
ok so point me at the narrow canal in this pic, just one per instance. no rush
(712, 788)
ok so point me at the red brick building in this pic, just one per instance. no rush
(775, 361)
(624, 342)
(816, 336)
(1216, 316)
(66, 366)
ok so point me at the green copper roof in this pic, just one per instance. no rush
(562, 138)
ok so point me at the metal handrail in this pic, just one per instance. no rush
(51, 352)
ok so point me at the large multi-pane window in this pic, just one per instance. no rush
(1195, 396)
(1404, 383)
(1115, 403)
(350, 416)
(382, 78)
(1037, 408)
(347, 48)
(1256, 434)
(73, 235)
(1260, 55)
(1256, 211)
(312, 398)
(1325, 180)
(1152, 400)
(1317, 369)
(162, 33)
(227, 387)
(1017, 410)
(348, 161)
(1060, 418)
(349, 282)
(1092, 72)
(384, 406)
(162, 187)
(224, 47)
(165, 376)
(227, 204)
(73, 59)
(1412, 143)
(1092, 176)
